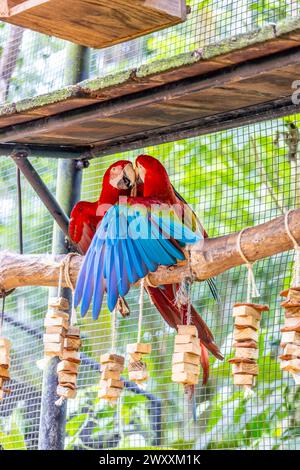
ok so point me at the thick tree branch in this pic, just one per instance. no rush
(208, 258)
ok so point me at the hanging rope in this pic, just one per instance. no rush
(64, 273)
(141, 306)
(252, 290)
(114, 331)
(183, 294)
(296, 268)
(2, 311)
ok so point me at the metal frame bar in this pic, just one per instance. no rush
(42, 191)
(185, 130)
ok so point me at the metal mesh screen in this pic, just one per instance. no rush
(36, 62)
(233, 179)
(25, 308)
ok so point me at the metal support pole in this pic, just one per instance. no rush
(52, 422)
(69, 176)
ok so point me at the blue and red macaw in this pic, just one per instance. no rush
(135, 236)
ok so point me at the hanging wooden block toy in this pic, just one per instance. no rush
(68, 367)
(137, 368)
(112, 366)
(290, 339)
(5, 346)
(56, 326)
(247, 316)
(100, 23)
(186, 357)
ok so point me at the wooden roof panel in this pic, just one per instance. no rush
(220, 78)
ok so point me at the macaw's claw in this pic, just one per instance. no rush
(122, 307)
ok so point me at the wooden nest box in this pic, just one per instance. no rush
(93, 23)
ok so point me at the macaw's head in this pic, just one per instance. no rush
(118, 180)
(152, 178)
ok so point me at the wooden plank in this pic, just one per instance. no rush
(96, 24)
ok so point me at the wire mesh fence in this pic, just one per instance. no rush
(233, 179)
(35, 63)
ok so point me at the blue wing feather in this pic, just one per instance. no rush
(130, 243)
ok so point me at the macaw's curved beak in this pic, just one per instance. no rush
(139, 174)
(128, 178)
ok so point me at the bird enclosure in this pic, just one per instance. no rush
(241, 176)
(233, 179)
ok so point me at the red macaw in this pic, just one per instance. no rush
(85, 217)
(134, 238)
(153, 181)
(118, 180)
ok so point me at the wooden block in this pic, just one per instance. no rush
(138, 365)
(245, 368)
(290, 351)
(185, 357)
(113, 366)
(65, 392)
(73, 331)
(110, 374)
(191, 348)
(186, 378)
(53, 349)
(5, 343)
(58, 303)
(54, 338)
(246, 353)
(244, 379)
(245, 334)
(142, 348)
(67, 377)
(104, 358)
(72, 356)
(245, 344)
(187, 330)
(68, 385)
(50, 330)
(293, 293)
(290, 337)
(111, 383)
(293, 365)
(56, 321)
(246, 311)
(138, 375)
(183, 339)
(56, 313)
(67, 366)
(72, 343)
(134, 357)
(185, 367)
(257, 307)
(246, 321)
(4, 373)
(291, 324)
(109, 392)
(4, 358)
(292, 312)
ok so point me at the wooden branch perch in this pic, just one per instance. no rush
(208, 258)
